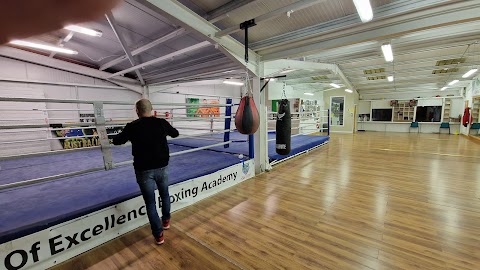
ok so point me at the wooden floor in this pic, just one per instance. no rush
(365, 201)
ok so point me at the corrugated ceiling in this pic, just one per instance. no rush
(323, 12)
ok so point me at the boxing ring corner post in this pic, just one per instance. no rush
(328, 122)
(228, 122)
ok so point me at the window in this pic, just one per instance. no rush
(337, 105)
(382, 115)
(428, 113)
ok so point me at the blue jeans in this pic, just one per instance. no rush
(148, 181)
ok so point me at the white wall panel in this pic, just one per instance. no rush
(364, 107)
(15, 141)
(13, 69)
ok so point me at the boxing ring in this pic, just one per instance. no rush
(48, 194)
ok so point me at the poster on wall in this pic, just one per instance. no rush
(199, 111)
(80, 137)
(310, 106)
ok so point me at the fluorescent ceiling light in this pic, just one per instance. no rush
(233, 82)
(390, 78)
(308, 94)
(470, 73)
(453, 82)
(364, 10)
(335, 85)
(348, 91)
(387, 52)
(83, 30)
(271, 79)
(42, 47)
(287, 71)
(444, 88)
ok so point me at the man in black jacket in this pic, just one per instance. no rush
(148, 135)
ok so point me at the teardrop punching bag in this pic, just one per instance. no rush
(284, 128)
(467, 118)
(247, 118)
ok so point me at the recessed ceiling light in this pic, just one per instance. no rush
(453, 82)
(308, 94)
(444, 88)
(335, 85)
(390, 78)
(232, 82)
(470, 73)
(348, 91)
(364, 10)
(387, 52)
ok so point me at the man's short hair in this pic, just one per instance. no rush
(143, 106)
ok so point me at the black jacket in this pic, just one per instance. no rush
(149, 142)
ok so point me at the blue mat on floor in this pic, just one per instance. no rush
(29, 209)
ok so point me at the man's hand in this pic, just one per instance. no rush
(25, 18)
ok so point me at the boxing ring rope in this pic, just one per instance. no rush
(100, 125)
(317, 116)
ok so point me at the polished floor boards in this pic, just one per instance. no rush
(365, 201)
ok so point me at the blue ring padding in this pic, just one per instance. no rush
(29, 209)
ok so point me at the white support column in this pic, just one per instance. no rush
(260, 137)
(146, 92)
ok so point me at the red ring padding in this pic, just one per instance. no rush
(247, 118)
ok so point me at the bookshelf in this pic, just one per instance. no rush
(403, 112)
(447, 110)
(476, 110)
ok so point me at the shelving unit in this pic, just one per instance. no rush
(403, 112)
(476, 110)
(447, 109)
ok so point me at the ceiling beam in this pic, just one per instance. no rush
(387, 29)
(417, 56)
(183, 16)
(175, 34)
(408, 91)
(182, 64)
(417, 66)
(42, 60)
(163, 58)
(275, 67)
(272, 15)
(223, 11)
(113, 24)
(196, 67)
(195, 75)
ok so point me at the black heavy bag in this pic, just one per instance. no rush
(247, 118)
(284, 128)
